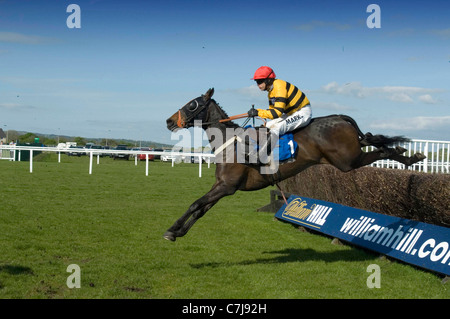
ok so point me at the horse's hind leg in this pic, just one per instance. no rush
(408, 161)
(367, 158)
(197, 210)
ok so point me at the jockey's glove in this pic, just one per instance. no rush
(252, 113)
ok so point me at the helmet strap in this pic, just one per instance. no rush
(269, 84)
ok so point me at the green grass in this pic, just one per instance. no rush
(111, 224)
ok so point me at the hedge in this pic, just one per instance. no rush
(405, 194)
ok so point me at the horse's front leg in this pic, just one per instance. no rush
(182, 225)
(197, 210)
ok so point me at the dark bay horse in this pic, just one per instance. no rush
(334, 140)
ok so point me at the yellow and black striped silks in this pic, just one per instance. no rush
(284, 98)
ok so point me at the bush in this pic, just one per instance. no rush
(405, 194)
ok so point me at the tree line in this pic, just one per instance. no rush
(81, 141)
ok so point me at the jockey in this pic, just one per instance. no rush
(289, 108)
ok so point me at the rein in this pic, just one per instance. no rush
(181, 123)
(234, 117)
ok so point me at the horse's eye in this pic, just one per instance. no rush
(192, 106)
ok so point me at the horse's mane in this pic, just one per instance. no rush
(219, 112)
(224, 114)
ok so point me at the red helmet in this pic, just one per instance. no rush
(264, 72)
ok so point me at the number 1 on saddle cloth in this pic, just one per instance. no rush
(284, 150)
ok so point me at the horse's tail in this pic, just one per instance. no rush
(380, 141)
(374, 140)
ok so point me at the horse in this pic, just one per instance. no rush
(335, 140)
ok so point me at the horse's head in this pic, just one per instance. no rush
(195, 109)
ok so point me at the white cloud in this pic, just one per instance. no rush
(408, 32)
(251, 92)
(331, 106)
(401, 97)
(443, 33)
(14, 37)
(427, 98)
(404, 94)
(349, 89)
(322, 24)
(414, 123)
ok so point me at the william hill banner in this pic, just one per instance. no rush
(417, 243)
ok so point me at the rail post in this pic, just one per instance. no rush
(31, 161)
(425, 161)
(90, 162)
(199, 166)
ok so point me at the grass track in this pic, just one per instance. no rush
(111, 223)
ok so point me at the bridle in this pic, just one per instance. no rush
(197, 108)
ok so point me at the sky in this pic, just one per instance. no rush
(132, 64)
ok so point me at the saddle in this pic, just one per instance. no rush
(252, 138)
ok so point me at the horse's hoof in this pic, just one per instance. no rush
(169, 236)
(400, 150)
(419, 157)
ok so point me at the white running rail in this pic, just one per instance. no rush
(10, 151)
(437, 153)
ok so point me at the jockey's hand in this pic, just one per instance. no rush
(252, 113)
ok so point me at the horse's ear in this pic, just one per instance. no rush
(208, 95)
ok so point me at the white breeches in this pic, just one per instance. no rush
(289, 123)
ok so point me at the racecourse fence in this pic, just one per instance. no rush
(437, 153)
(9, 152)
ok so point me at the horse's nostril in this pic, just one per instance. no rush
(169, 123)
